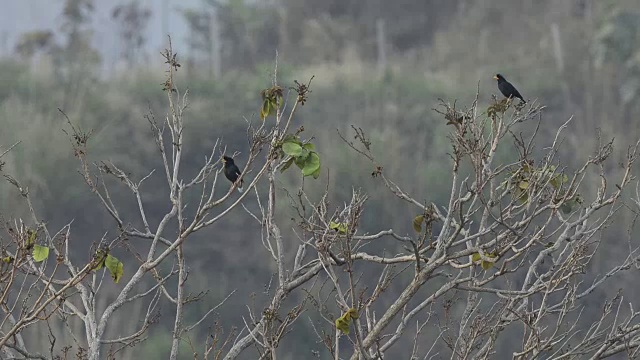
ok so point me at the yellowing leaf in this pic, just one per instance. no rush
(486, 265)
(40, 253)
(339, 227)
(99, 258)
(352, 313)
(273, 104)
(115, 266)
(265, 109)
(522, 196)
(475, 257)
(417, 223)
(342, 325)
(524, 185)
(271, 100)
(7, 259)
(32, 237)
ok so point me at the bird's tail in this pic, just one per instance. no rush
(240, 189)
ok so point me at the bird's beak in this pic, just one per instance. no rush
(495, 77)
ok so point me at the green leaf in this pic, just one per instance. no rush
(7, 259)
(290, 138)
(316, 174)
(570, 205)
(417, 223)
(286, 165)
(292, 148)
(99, 265)
(566, 208)
(115, 266)
(40, 253)
(309, 146)
(558, 180)
(339, 227)
(301, 160)
(311, 164)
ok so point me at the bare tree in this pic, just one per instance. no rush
(506, 257)
(512, 251)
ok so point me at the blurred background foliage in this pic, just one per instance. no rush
(379, 65)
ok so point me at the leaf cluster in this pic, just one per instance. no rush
(304, 155)
(527, 179)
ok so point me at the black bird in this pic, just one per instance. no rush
(231, 171)
(507, 89)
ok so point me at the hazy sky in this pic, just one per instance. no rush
(19, 16)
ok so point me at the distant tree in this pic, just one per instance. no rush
(132, 19)
(76, 16)
(33, 42)
(248, 30)
(352, 23)
(237, 33)
(74, 58)
(502, 269)
(200, 40)
(615, 45)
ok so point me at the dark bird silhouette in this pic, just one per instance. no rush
(507, 89)
(231, 171)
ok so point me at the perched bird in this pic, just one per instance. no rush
(507, 89)
(231, 171)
